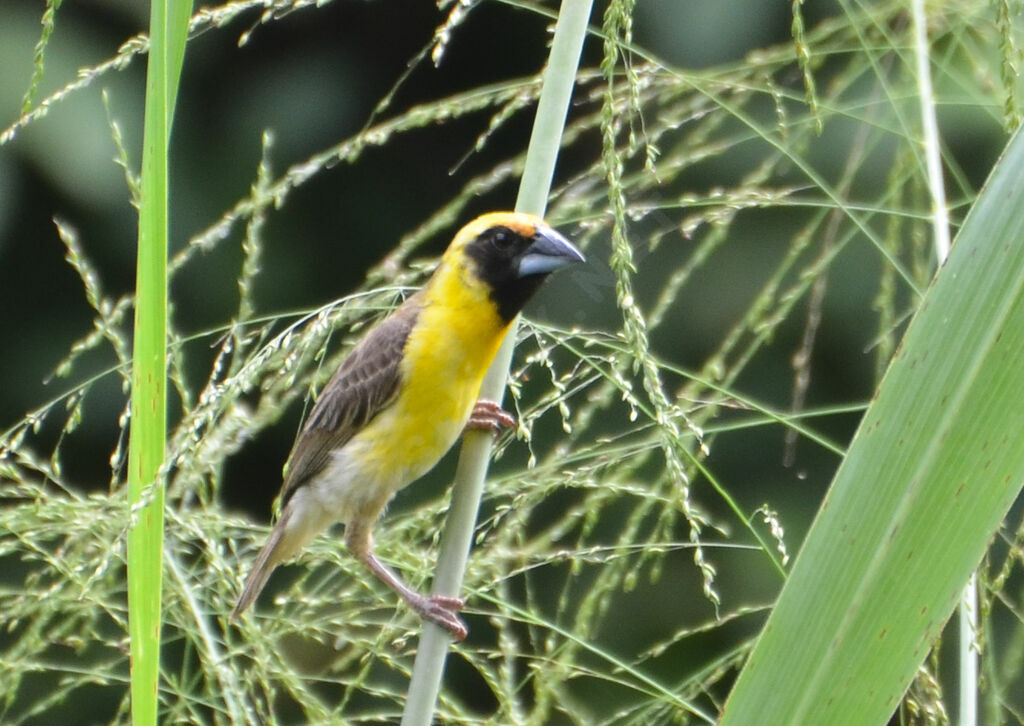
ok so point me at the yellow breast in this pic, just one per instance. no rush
(453, 342)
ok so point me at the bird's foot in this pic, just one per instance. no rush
(489, 416)
(441, 610)
(438, 609)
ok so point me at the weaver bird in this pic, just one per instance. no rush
(404, 394)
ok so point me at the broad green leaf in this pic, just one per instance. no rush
(933, 469)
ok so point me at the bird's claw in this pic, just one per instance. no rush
(441, 610)
(489, 416)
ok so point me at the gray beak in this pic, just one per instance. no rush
(548, 252)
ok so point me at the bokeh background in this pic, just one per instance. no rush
(312, 78)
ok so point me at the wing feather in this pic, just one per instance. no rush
(367, 381)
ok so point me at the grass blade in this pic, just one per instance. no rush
(168, 30)
(933, 469)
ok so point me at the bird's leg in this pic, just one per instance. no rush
(438, 609)
(489, 416)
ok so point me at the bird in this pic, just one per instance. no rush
(403, 395)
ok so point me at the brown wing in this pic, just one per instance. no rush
(365, 383)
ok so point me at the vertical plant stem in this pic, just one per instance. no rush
(545, 140)
(930, 127)
(967, 656)
(968, 608)
(168, 29)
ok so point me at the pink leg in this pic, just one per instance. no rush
(489, 416)
(438, 609)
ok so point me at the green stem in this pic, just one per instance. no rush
(545, 140)
(168, 30)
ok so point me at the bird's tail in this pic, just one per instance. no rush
(269, 557)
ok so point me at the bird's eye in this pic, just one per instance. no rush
(502, 239)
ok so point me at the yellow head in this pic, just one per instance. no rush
(511, 253)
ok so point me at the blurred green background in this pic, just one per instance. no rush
(313, 78)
